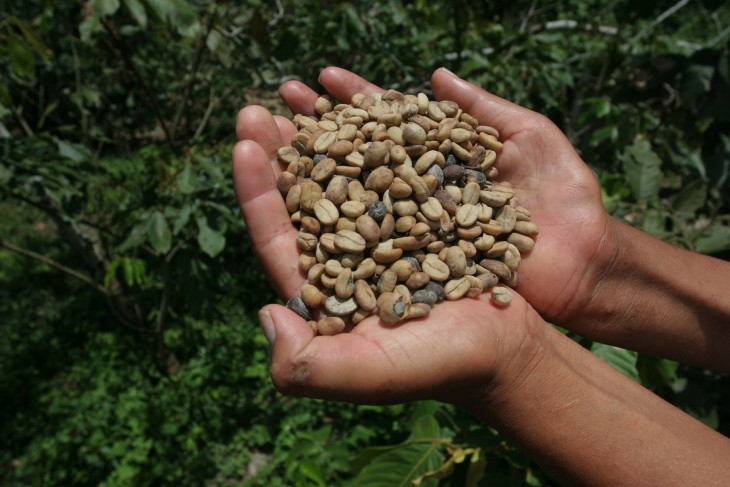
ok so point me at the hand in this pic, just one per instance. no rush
(461, 343)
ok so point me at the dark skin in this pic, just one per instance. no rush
(587, 272)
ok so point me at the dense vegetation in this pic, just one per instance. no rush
(129, 349)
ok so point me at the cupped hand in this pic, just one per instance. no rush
(462, 343)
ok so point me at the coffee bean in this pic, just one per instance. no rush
(501, 296)
(393, 195)
(337, 306)
(330, 325)
(456, 288)
(298, 306)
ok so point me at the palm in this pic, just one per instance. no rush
(418, 356)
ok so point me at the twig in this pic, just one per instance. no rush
(56, 265)
(208, 112)
(662, 17)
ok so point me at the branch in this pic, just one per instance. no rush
(662, 17)
(56, 265)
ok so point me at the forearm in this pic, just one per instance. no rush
(661, 300)
(589, 425)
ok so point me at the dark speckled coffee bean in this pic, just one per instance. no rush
(414, 262)
(318, 158)
(298, 306)
(453, 173)
(377, 211)
(438, 173)
(436, 288)
(450, 160)
(424, 296)
(477, 175)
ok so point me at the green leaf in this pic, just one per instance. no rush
(477, 469)
(691, 198)
(33, 39)
(178, 13)
(139, 14)
(210, 241)
(75, 152)
(183, 216)
(715, 238)
(620, 359)
(22, 61)
(400, 466)
(655, 371)
(718, 164)
(186, 181)
(643, 172)
(159, 233)
(106, 7)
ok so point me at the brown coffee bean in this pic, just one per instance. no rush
(349, 241)
(312, 296)
(352, 209)
(466, 215)
(417, 310)
(330, 325)
(337, 306)
(497, 267)
(391, 307)
(379, 179)
(387, 281)
(525, 227)
(432, 208)
(364, 295)
(456, 288)
(498, 249)
(306, 241)
(403, 269)
(326, 212)
(436, 269)
(417, 280)
(344, 286)
(456, 260)
(522, 242)
(501, 296)
(365, 269)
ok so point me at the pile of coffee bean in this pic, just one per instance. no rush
(397, 208)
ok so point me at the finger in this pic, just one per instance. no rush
(384, 364)
(299, 97)
(489, 109)
(256, 123)
(267, 220)
(286, 129)
(342, 84)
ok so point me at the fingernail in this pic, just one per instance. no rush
(268, 325)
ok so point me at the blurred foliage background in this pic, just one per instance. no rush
(129, 347)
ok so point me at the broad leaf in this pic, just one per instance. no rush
(691, 198)
(714, 239)
(620, 359)
(400, 466)
(643, 172)
(22, 61)
(210, 241)
(159, 233)
(138, 12)
(655, 371)
(75, 152)
(186, 181)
